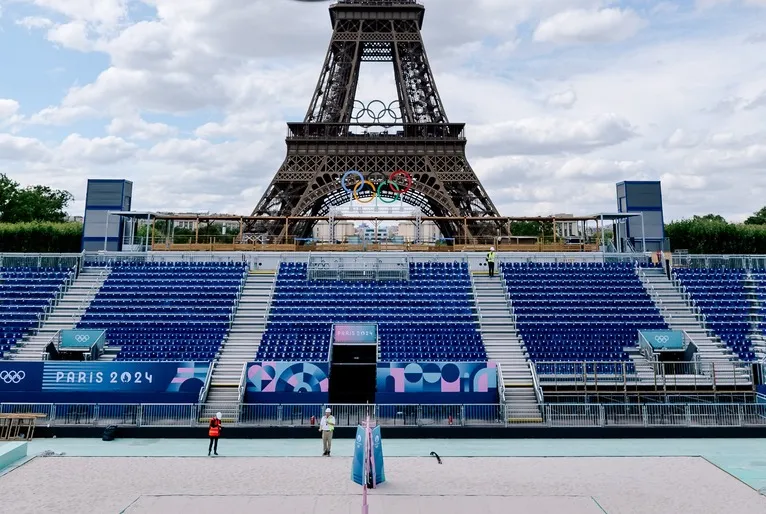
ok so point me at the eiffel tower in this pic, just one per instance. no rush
(404, 149)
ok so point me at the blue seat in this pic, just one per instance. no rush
(580, 312)
(25, 294)
(166, 311)
(428, 317)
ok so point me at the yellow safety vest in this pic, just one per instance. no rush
(491, 257)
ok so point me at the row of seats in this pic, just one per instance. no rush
(722, 298)
(167, 311)
(428, 317)
(580, 311)
(25, 294)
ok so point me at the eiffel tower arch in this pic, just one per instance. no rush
(399, 149)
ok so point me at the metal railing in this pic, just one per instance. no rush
(500, 383)
(308, 415)
(358, 268)
(660, 375)
(536, 384)
(242, 384)
(41, 260)
(206, 388)
(719, 261)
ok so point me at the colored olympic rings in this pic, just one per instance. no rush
(392, 184)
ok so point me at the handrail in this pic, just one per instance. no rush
(536, 384)
(242, 384)
(271, 294)
(97, 284)
(500, 383)
(205, 388)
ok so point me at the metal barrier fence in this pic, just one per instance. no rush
(719, 261)
(495, 415)
(41, 260)
(659, 375)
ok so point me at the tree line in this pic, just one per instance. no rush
(34, 220)
(713, 234)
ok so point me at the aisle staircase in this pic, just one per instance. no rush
(505, 347)
(679, 314)
(65, 315)
(241, 345)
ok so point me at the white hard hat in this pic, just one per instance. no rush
(492, 249)
(218, 415)
(328, 410)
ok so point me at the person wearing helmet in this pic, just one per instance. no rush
(214, 431)
(491, 262)
(326, 427)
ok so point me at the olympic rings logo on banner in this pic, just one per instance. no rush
(12, 377)
(392, 184)
(82, 338)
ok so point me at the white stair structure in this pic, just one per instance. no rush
(505, 347)
(65, 315)
(753, 287)
(241, 344)
(680, 314)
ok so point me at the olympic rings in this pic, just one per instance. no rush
(12, 377)
(392, 184)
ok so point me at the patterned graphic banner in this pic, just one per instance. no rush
(287, 382)
(437, 382)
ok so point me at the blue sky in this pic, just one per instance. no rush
(562, 98)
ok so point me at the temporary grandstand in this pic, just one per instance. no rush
(555, 340)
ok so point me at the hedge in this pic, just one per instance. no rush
(716, 237)
(40, 237)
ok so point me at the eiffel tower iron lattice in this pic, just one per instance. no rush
(405, 149)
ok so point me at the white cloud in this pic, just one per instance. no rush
(8, 108)
(565, 99)
(34, 22)
(23, 149)
(589, 26)
(106, 150)
(134, 127)
(554, 135)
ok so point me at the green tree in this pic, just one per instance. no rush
(711, 217)
(758, 218)
(31, 204)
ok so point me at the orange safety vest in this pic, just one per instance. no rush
(215, 428)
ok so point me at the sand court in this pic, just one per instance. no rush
(316, 485)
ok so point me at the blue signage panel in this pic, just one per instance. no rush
(377, 456)
(82, 338)
(357, 463)
(664, 339)
(20, 376)
(355, 333)
(74, 381)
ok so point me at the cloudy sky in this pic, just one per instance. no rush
(563, 98)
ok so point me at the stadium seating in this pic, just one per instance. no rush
(759, 279)
(721, 296)
(428, 317)
(25, 293)
(583, 312)
(166, 311)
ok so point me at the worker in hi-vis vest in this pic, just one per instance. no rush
(491, 262)
(327, 426)
(214, 431)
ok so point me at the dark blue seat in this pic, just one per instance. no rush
(722, 298)
(167, 311)
(426, 318)
(580, 312)
(25, 294)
